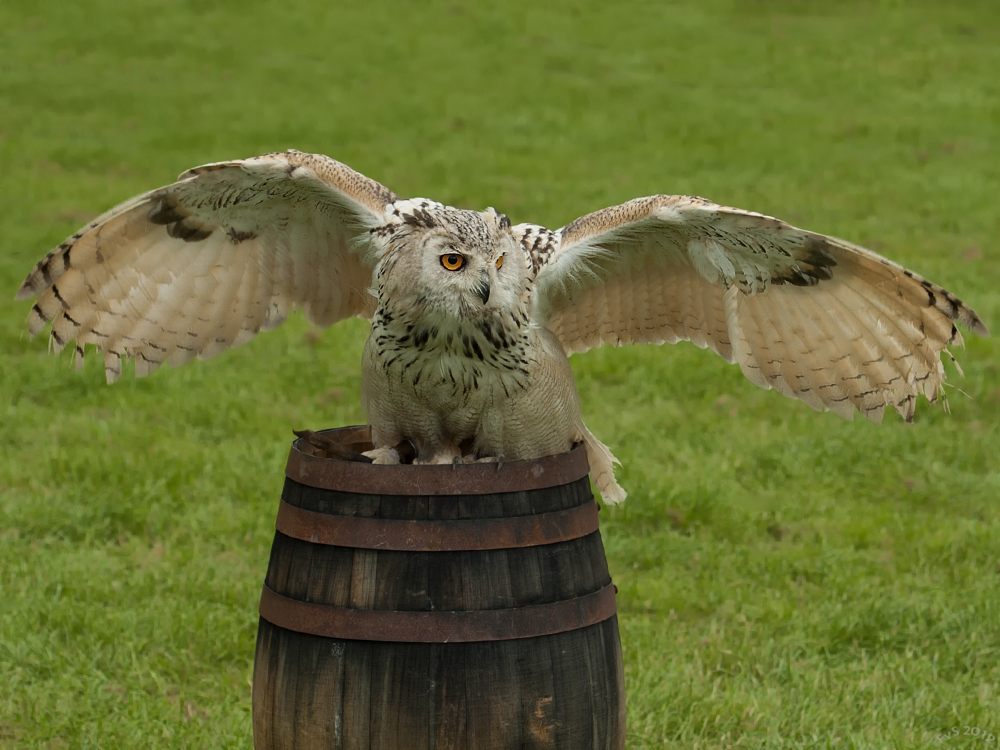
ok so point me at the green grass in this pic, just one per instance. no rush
(787, 579)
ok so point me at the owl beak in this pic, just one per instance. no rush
(484, 289)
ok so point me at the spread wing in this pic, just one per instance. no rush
(203, 265)
(813, 317)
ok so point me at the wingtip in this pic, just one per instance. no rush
(25, 291)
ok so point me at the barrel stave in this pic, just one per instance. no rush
(359, 667)
(449, 727)
(493, 682)
(548, 692)
(441, 581)
(401, 697)
(446, 507)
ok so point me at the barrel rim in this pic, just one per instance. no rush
(411, 480)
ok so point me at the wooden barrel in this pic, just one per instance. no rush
(437, 607)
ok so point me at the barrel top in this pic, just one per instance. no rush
(305, 467)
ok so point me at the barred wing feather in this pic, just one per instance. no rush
(815, 318)
(203, 265)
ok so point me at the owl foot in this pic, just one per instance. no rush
(471, 459)
(383, 456)
(440, 459)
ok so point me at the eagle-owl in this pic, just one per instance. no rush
(473, 318)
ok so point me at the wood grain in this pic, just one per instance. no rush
(558, 691)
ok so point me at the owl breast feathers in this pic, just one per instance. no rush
(473, 318)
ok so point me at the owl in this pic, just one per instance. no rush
(473, 318)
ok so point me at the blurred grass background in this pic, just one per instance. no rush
(787, 579)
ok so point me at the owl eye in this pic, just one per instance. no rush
(453, 261)
(499, 262)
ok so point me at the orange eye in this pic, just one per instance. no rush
(499, 262)
(452, 262)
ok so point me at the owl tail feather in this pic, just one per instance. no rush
(602, 469)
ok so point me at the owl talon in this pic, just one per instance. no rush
(499, 463)
(455, 461)
(384, 456)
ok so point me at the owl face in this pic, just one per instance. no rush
(451, 262)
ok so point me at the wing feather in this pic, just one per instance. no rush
(204, 264)
(816, 318)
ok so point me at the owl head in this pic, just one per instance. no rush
(448, 261)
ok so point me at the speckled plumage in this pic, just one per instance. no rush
(472, 361)
(449, 371)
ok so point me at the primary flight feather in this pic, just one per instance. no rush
(472, 318)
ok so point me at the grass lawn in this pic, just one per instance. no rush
(787, 579)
